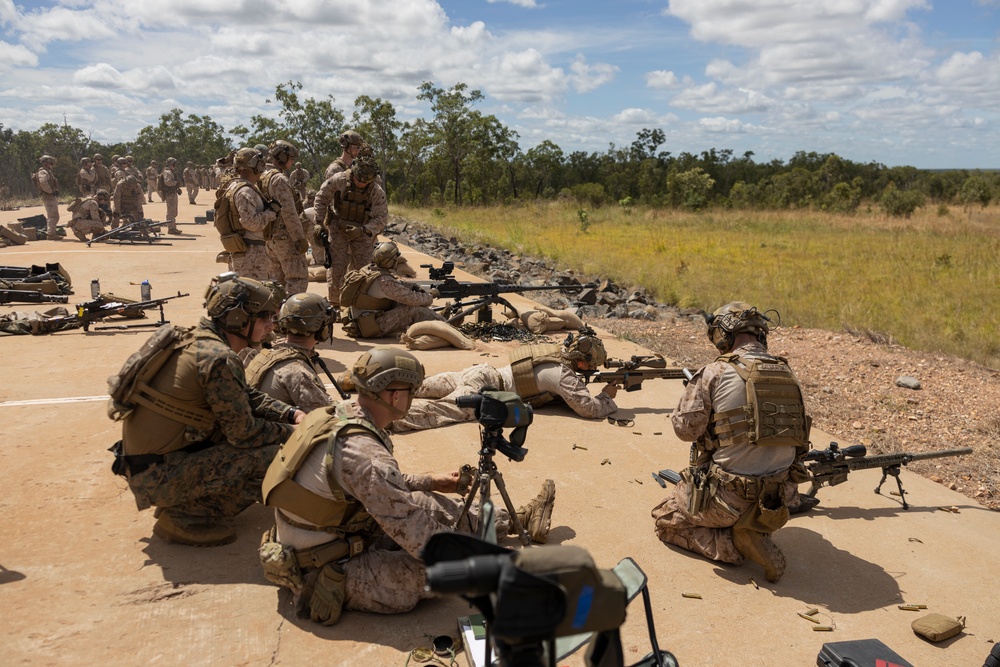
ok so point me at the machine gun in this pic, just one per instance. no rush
(26, 296)
(632, 373)
(108, 305)
(475, 297)
(830, 467)
(137, 231)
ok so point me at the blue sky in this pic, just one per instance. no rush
(894, 81)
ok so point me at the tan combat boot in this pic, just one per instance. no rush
(202, 536)
(759, 548)
(536, 516)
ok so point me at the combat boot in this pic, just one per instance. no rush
(201, 536)
(536, 516)
(759, 548)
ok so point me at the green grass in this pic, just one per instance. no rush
(930, 282)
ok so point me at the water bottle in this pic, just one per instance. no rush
(146, 290)
(95, 288)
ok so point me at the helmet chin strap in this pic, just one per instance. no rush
(393, 410)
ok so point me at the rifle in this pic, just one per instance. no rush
(138, 231)
(632, 373)
(108, 305)
(831, 466)
(324, 239)
(485, 294)
(336, 385)
(27, 296)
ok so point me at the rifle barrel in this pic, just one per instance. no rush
(902, 458)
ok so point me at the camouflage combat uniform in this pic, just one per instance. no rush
(285, 372)
(48, 188)
(286, 249)
(388, 576)
(103, 176)
(255, 219)
(346, 252)
(151, 174)
(299, 178)
(191, 183)
(128, 199)
(171, 185)
(434, 404)
(205, 474)
(404, 305)
(88, 218)
(86, 181)
(717, 388)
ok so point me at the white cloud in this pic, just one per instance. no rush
(531, 4)
(708, 98)
(15, 55)
(586, 77)
(725, 125)
(661, 79)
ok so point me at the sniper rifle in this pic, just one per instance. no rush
(475, 297)
(632, 373)
(27, 296)
(830, 467)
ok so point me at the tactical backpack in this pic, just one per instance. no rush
(161, 186)
(140, 367)
(75, 205)
(34, 180)
(227, 218)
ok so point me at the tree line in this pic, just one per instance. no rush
(461, 156)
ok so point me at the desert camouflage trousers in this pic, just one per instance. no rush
(51, 205)
(171, 204)
(315, 247)
(386, 579)
(83, 227)
(150, 189)
(399, 318)
(286, 266)
(192, 191)
(434, 404)
(346, 253)
(709, 533)
(203, 487)
(253, 263)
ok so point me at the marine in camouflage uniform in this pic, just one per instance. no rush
(287, 371)
(171, 189)
(86, 178)
(103, 173)
(390, 516)
(723, 523)
(354, 210)
(151, 174)
(556, 376)
(128, 200)
(299, 178)
(377, 304)
(190, 175)
(255, 218)
(90, 215)
(48, 188)
(287, 247)
(208, 465)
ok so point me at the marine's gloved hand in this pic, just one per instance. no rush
(435, 292)
(275, 205)
(327, 600)
(301, 246)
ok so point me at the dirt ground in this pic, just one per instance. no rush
(83, 581)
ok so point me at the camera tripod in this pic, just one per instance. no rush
(487, 474)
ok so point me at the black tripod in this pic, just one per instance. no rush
(492, 439)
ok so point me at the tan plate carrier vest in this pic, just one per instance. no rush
(265, 361)
(355, 294)
(130, 387)
(342, 514)
(352, 206)
(774, 415)
(522, 363)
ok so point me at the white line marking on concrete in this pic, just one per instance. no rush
(53, 401)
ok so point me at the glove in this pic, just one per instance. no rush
(275, 205)
(301, 246)
(435, 292)
(327, 599)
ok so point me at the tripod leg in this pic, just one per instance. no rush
(521, 531)
(468, 503)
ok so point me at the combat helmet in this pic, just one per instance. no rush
(735, 318)
(233, 301)
(585, 347)
(350, 138)
(282, 150)
(46, 159)
(171, 161)
(249, 158)
(306, 314)
(381, 366)
(365, 169)
(386, 255)
(85, 161)
(98, 156)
